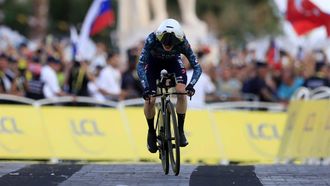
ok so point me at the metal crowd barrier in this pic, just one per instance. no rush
(234, 105)
(304, 93)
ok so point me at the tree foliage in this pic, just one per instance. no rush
(235, 20)
(238, 20)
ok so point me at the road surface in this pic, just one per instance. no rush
(66, 174)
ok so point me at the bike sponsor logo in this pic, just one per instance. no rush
(88, 135)
(10, 134)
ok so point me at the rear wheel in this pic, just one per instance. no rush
(163, 149)
(173, 138)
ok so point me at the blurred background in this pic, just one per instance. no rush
(256, 56)
(261, 50)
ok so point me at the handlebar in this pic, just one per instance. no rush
(167, 81)
(175, 93)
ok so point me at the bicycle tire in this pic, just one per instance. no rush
(173, 134)
(163, 150)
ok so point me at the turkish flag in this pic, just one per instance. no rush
(306, 16)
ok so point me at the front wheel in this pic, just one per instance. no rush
(173, 138)
(163, 150)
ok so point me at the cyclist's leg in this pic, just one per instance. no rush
(152, 72)
(149, 106)
(149, 111)
(181, 106)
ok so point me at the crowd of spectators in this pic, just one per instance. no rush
(274, 78)
(46, 72)
(238, 74)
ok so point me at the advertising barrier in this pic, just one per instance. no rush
(204, 143)
(249, 136)
(87, 133)
(119, 134)
(307, 131)
(22, 133)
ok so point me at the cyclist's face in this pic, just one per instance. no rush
(167, 47)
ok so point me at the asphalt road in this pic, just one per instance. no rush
(26, 174)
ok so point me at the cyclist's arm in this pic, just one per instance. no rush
(143, 61)
(188, 52)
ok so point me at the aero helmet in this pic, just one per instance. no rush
(170, 33)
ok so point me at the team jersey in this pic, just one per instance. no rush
(154, 49)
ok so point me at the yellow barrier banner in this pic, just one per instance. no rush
(22, 135)
(202, 146)
(309, 122)
(325, 132)
(250, 135)
(120, 134)
(87, 133)
(137, 126)
(291, 136)
(307, 130)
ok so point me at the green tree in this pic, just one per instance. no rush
(17, 14)
(238, 20)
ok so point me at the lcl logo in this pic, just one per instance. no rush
(327, 124)
(8, 125)
(85, 127)
(309, 122)
(263, 131)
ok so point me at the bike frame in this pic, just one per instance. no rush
(164, 127)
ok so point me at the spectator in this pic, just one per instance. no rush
(234, 75)
(318, 79)
(93, 89)
(131, 86)
(227, 85)
(109, 81)
(78, 78)
(288, 85)
(20, 68)
(7, 77)
(100, 57)
(203, 87)
(257, 84)
(49, 77)
(35, 86)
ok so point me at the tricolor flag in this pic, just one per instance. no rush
(99, 16)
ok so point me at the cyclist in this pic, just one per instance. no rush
(162, 50)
